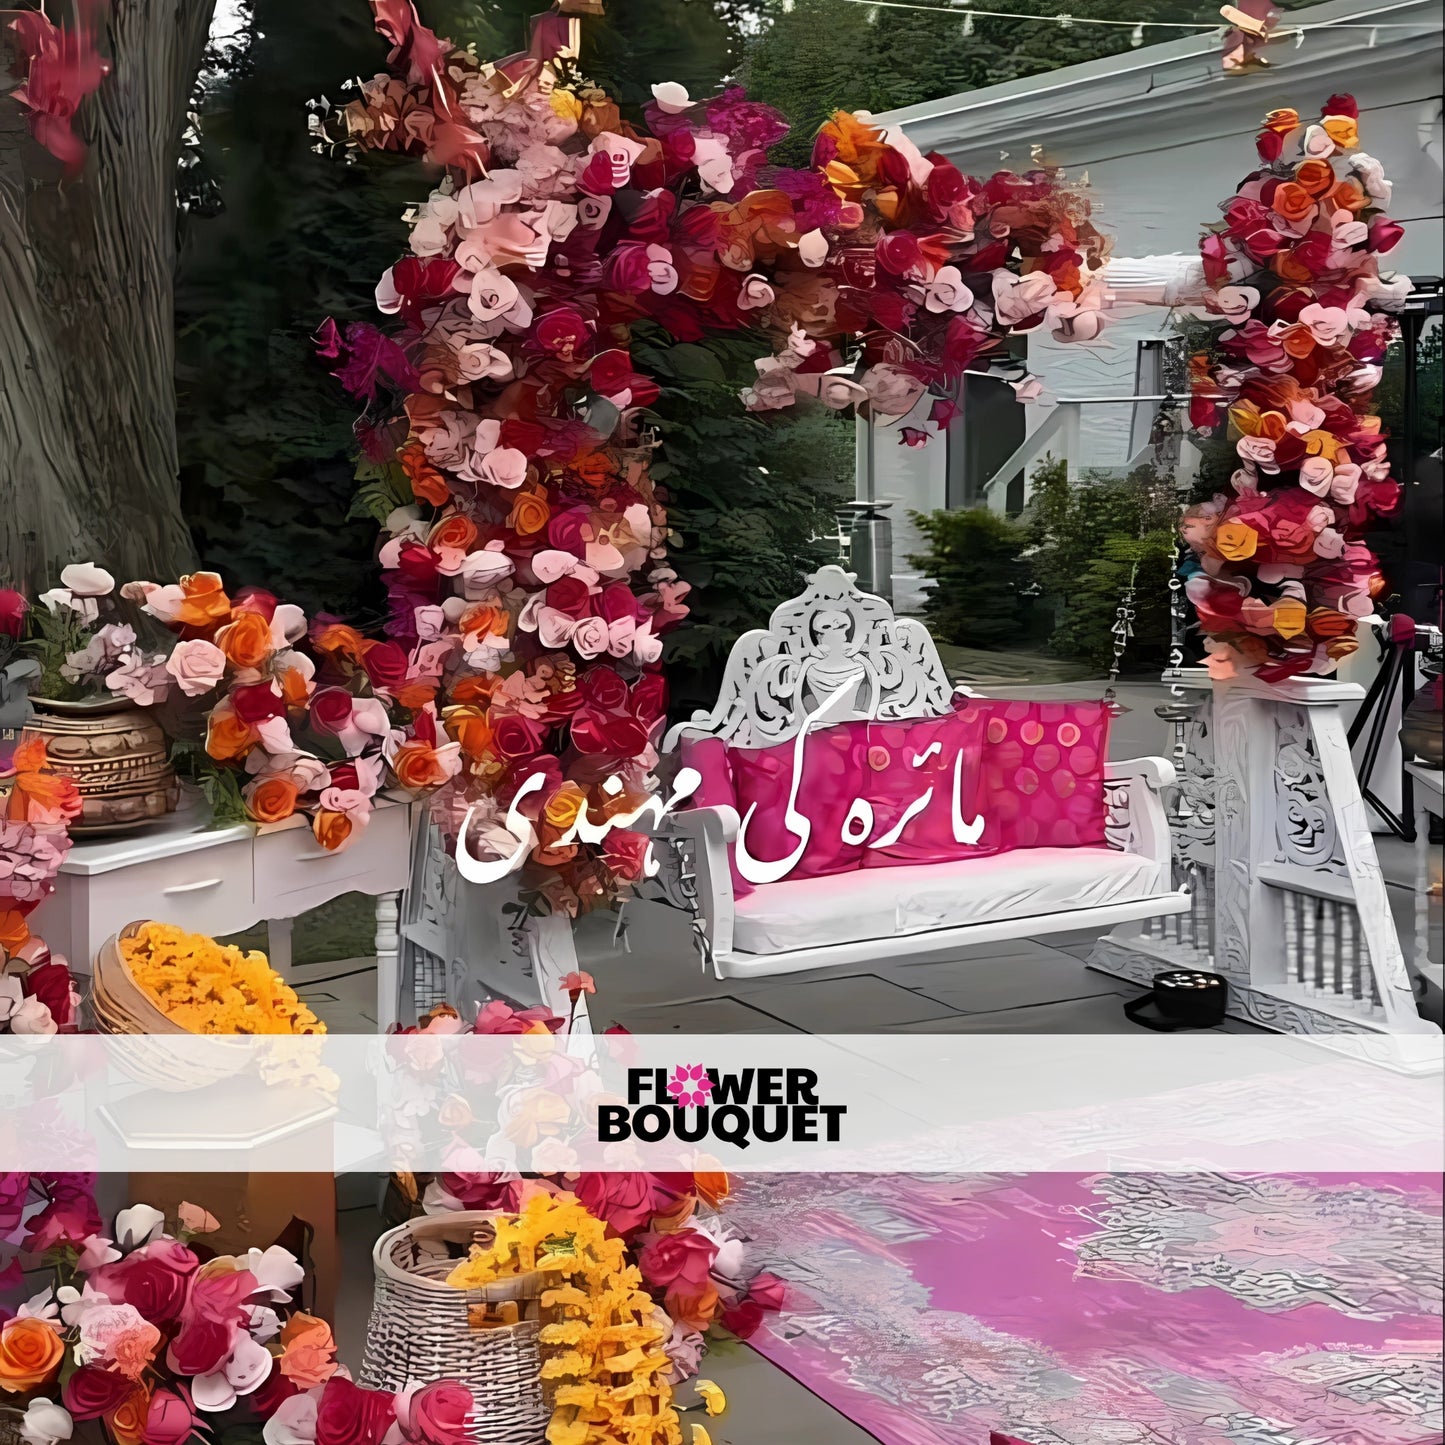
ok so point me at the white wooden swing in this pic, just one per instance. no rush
(776, 677)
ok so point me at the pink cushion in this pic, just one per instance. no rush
(710, 757)
(892, 783)
(833, 766)
(1043, 770)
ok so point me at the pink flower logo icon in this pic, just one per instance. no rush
(690, 1086)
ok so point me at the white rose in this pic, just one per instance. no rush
(46, 1424)
(85, 579)
(671, 98)
(755, 293)
(138, 1225)
(197, 665)
(32, 1017)
(946, 292)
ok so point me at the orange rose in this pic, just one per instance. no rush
(1284, 265)
(206, 602)
(564, 805)
(1281, 122)
(295, 687)
(128, 1423)
(455, 532)
(1344, 130)
(415, 695)
(14, 931)
(271, 800)
(485, 620)
(30, 1355)
(227, 737)
(1297, 341)
(331, 829)
(417, 767)
(427, 484)
(1292, 201)
(1317, 177)
(468, 726)
(713, 1189)
(530, 513)
(338, 637)
(476, 689)
(246, 641)
(693, 1311)
(1342, 647)
(1326, 624)
(308, 1355)
(1346, 196)
(1236, 541)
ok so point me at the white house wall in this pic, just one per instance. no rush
(1163, 137)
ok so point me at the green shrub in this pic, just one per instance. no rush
(983, 594)
(1088, 540)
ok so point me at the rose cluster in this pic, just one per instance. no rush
(1280, 574)
(528, 549)
(160, 1338)
(912, 274)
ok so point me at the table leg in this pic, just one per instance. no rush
(278, 945)
(388, 960)
(1422, 889)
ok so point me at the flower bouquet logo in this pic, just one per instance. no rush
(693, 1102)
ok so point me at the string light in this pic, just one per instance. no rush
(1136, 27)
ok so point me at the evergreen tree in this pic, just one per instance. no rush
(983, 592)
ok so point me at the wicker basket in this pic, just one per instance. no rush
(117, 756)
(421, 1330)
(121, 1006)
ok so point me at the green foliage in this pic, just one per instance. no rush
(52, 637)
(976, 557)
(1089, 541)
(811, 57)
(752, 498)
(219, 785)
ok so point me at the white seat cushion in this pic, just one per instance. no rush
(885, 902)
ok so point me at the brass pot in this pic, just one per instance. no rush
(117, 756)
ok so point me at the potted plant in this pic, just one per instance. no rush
(92, 703)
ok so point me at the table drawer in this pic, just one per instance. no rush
(290, 864)
(204, 891)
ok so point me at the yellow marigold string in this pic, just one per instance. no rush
(603, 1356)
(212, 988)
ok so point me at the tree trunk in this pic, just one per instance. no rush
(87, 330)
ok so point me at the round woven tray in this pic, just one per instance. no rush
(121, 1006)
(423, 1329)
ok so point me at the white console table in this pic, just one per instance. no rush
(223, 880)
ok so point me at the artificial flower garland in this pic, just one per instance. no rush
(526, 544)
(1280, 575)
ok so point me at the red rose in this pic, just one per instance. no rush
(611, 372)
(649, 697)
(50, 983)
(944, 187)
(170, 1420)
(743, 1318)
(1290, 450)
(684, 1258)
(893, 170)
(603, 689)
(13, 608)
(437, 1414)
(275, 1390)
(330, 711)
(522, 436)
(596, 176)
(200, 1347)
(152, 1278)
(516, 736)
(625, 853)
(417, 564)
(1342, 105)
(562, 331)
(422, 283)
(570, 595)
(899, 253)
(257, 600)
(257, 702)
(626, 1202)
(386, 664)
(1270, 145)
(768, 1291)
(92, 1392)
(627, 269)
(1385, 234)
(565, 531)
(350, 1415)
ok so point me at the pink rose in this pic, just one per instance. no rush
(891, 391)
(1017, 299)
(349, 1415)
(170, 1419)
(946, 292)
(435, 1414)
(755, 293)
(681, 1260)
(196, 665)
(1260, 451)
(505, 467)
(1315, 475)
(590, 637)
(152, 1278)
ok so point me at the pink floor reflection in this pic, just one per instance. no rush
(1110, 1309)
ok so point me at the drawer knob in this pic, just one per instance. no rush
(191, 887)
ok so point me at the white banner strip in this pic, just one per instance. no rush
(906, 1103)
